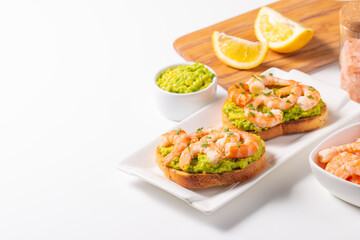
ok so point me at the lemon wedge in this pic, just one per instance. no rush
(238, 53)
(281, 33)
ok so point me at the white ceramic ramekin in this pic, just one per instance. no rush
(343, 189)
(178, 106)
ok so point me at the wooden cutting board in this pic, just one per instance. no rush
(320, 15)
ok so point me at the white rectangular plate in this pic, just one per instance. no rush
(142, 163)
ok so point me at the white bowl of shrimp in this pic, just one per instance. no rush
(182, 89)
(335, 162)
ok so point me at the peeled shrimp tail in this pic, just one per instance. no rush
(255, 85)
(275, 81)
(185, 158)
(238, 94)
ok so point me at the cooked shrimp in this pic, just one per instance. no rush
(203, 146)
(344, 165)
(353, 164)
(327, 154)
(227, 137)
(238, 94)
(355, 179)
(337, 166)
(286, 102)
(201, 132)
(310, 98)
(247, 147)
(178, 138)
(220, 136)
(290, 88)
(257, 84)
(259, 119)
(269, 80)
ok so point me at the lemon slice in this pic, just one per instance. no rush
(282, 34)
(238, 53)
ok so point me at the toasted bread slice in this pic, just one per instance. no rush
(204, 180)
(293, 126)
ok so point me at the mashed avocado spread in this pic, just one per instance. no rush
(237, 116)
(186, 78)
(201, 163)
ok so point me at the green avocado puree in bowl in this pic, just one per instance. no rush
(201, 163)
(185, 78)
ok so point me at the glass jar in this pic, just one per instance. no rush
(350, 49)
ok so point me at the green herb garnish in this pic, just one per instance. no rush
(267, 94)
(251, 106)
(255, 77)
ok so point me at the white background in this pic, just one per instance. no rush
(75, 98)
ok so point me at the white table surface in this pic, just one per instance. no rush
(75, 99)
